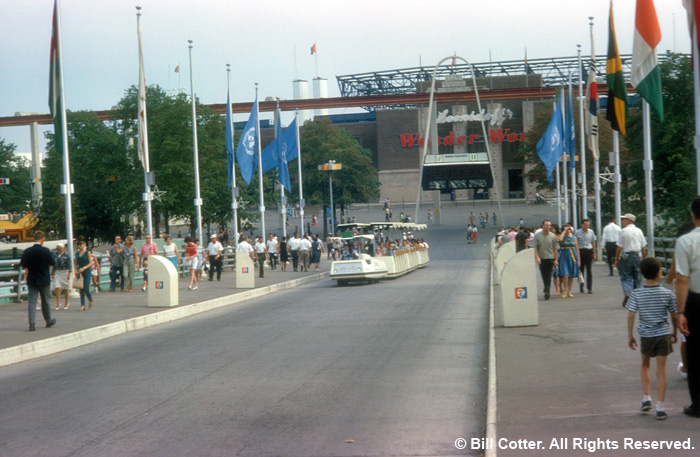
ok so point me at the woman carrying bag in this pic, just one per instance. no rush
(83, 265)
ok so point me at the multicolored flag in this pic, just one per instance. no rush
(615, 79)
(247, 146)
(646, 75)
(551, 145)
(313, 49)
(141, 109)
(591, 112)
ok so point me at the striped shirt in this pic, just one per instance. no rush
(653, 303)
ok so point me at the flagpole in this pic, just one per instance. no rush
(278, 119)
(301, 190)
(67, 186)
(260, 172)
(648, 169)
(696, 86)
(618, 178)
(143, 141)
(571, 170)
(197, 196)
(567, 214)
(596, 173)
(234, 189)
(558, 192)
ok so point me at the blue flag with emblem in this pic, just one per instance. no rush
(282, 170)
(247, 146)
(551, 145)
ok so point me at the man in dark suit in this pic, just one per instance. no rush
(36, 261)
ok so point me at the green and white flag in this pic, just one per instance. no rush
(646, 75)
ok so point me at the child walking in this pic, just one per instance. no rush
(653, 303)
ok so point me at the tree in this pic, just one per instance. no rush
(16, 196)
(105, 184)
(321, 141)
(673, 153)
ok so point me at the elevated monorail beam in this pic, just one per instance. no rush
(341, 102)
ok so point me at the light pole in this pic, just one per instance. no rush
(331, 166)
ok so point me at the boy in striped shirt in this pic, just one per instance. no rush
(653, 303)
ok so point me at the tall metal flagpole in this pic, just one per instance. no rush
(197, 196)
(260, 172)
(558, 183)
(143, 132)
(67, 188)
(582, 126)
(301, 189)
(648, 168)
(617, 177)
(278, 118)
(234, 189)
(696, 85)
(567, 214)
(596, 174)
(572, 172)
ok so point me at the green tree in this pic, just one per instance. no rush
(105, 190)
(321, 141)
(16, 196)
(673, 153)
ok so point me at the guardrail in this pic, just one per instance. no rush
(13, 278)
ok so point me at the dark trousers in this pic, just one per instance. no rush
(114, 273)
(36, 293)
(586, 266)
(546, 267)
(217, 263)
(295, 259)
(261, 262)
(273, 261)
(692, 347)
(610, 249)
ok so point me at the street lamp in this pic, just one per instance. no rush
(330, 167)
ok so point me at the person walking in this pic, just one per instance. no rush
(611, 233)
(116, 260)
(688, 296)
(262, 255)
(60, 273)
(95, 271)
(170, 253)
(546, 254)
(129, 263)
(148, 248)
(83, 270)
(631, 248)
(191, 261)
(316, 250)
(284, 253)
(36, 261)
(216, 251)
(568, 260)
(294, 250)
(585, 236)
(271, 244)
(304, 253)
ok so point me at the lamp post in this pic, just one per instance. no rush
(330, 167)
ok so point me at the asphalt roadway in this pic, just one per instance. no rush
(395, 368)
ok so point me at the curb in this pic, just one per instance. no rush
(42, 348)
(491, 398)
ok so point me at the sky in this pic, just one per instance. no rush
(269, 43)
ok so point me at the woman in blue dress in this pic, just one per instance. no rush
(568, 260)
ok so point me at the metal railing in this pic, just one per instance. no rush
(14, 278)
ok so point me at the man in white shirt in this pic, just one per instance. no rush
(611, 233)
(261, 252)
(631, 248)
(245, 247)
(215, 250)
(272, 251)
(304, 253)
(294, 250)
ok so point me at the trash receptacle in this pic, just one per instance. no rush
(519, 290)
(503, 254)
(162, 282)
(245, 271)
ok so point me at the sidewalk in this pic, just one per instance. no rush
(574, 377)
(118, 312)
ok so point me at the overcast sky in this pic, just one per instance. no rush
(259, 39)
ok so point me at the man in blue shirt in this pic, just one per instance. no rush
(36, 261)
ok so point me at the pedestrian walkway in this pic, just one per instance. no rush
(118, 312)
(574, 377)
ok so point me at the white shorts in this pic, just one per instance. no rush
(192, 264)
(60, 280)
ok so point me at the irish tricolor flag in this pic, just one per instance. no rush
(646, 75)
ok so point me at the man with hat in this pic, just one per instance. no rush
(216, 260)
(631, 248)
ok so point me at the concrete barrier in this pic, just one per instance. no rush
(503, 254)
(162, 283)
(519, 290)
